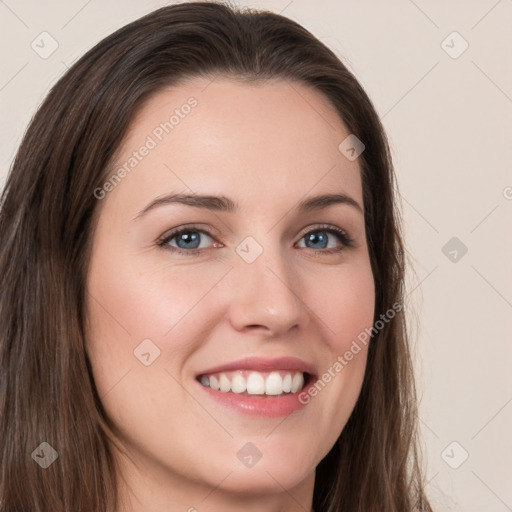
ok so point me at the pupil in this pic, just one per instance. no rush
(315, 238)
(187, 238)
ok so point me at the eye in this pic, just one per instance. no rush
(185, 240)
(322, 239)
(191, 240)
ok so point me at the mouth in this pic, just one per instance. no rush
(256, 383)
(256, 386)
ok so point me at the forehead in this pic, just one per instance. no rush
(259, 141)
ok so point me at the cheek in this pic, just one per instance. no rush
(343, 303)
(148, 301)
(129, 302)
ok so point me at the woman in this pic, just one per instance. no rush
(201, 305)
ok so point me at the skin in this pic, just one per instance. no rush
(267, 147)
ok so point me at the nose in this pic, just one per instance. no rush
(266, 296)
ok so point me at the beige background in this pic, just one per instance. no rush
(449, 121)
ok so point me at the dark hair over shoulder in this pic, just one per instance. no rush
(47, 219)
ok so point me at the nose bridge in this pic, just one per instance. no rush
(266, 289)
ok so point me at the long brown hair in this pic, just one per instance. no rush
(47, 219)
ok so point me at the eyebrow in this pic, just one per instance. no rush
(224, 204)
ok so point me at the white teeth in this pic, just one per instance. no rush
(274, 384)
(224, 382)
(255, 383)
(238, 384)
(297, 382)
(214, 383)
(287, 383)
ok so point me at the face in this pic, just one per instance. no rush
(210, 320)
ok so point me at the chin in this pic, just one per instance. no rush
(266, 479)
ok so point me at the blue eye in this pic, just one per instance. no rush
(187, 241)
(316, 239)
(319, 239)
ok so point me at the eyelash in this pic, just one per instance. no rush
(163, 242)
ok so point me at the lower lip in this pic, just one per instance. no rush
(258, 405)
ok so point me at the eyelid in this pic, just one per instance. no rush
(345, 238)
(342, 234)
(163, 240)
(187, 227)
(323, 227)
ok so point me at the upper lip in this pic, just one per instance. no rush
(263, 365)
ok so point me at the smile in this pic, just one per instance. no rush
(258, 386)
(250, 382)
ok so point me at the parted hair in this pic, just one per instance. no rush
(48, 213)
